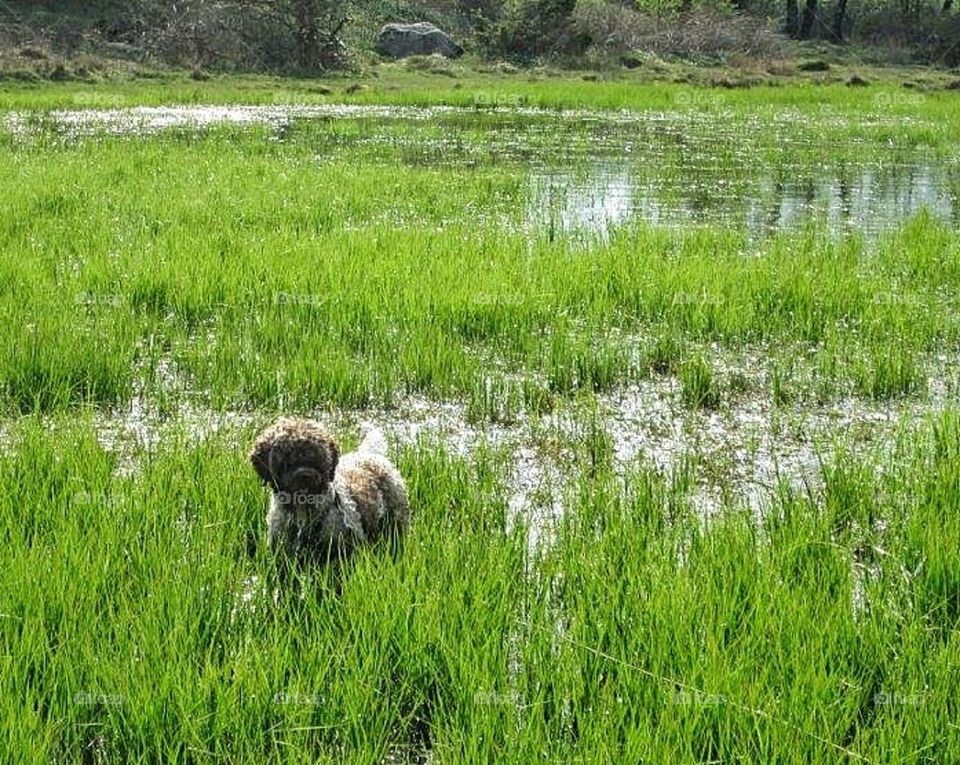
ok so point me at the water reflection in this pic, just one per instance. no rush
(591, 172)
(608, 194)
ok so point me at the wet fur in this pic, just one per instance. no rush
(323, 506)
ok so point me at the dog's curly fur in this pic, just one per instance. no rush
(324, 507)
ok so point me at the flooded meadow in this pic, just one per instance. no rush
(673, 390)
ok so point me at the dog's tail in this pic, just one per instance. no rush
(374, 441)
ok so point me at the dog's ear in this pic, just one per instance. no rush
(264, 461)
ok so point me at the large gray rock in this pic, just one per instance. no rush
(423, 39)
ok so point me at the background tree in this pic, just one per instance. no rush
(534, 28)
(312, 28)
(839, 18)
(792, 25)
(808, 19)
(199, 31)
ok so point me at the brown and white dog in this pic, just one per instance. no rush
(323, 506)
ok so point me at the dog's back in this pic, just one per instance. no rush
(375, 486)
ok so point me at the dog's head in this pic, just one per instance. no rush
(296, 458)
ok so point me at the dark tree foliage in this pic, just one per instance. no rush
(808, 19)
(306, 36)
(535, 28)
(278, 35)
(792, 24)
(310, 27)
(839, 19)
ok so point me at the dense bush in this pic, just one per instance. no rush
(705, 32)
(309, 35)
(528, 29)
(275, 35)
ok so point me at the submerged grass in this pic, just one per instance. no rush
(929, 94)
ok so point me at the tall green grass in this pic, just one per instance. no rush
(265, 274)
(824, 630)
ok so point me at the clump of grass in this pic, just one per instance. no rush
(699, 386)
(508, 401)
(665, 354)
(782, 373)
(587, 364)
(889, 373)
(495, 401)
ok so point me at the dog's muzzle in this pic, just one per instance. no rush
(303, 486)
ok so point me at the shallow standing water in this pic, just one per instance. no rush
(847, 199)
(589, 173)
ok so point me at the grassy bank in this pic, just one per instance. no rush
(424, 80)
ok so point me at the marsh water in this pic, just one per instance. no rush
(588, 174)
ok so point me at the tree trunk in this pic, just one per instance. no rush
(791, 25)
(947, 5)
(809, 16)
(308, 35)
(839, 18)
